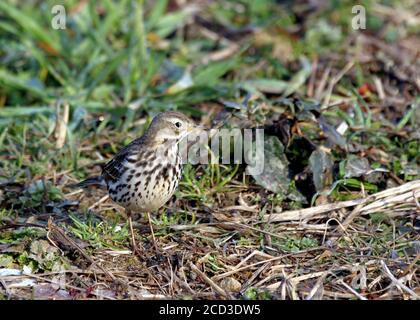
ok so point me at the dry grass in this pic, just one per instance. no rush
(242, 253)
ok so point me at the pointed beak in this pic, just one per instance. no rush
(196, 128)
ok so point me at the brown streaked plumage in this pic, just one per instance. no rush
(143, 176)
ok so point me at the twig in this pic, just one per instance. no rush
(390, 197)
(358, 295)
(6, 288)
(398, 282)
(412, 264)
(254, 276)
(295, 280)
(226, 274)
(218, 289)
(318, 285)
(59, 233)
(311, 84)
(335, 80)
(103, 199)
(356, 211)
(61, 124)
(379, 88)
(322, 83)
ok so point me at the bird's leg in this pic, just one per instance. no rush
(151, 230)
(134, 247)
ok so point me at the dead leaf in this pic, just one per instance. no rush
(275, 172)
(321, 165)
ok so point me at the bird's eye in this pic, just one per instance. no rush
(178, 124)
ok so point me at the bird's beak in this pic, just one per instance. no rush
(196, 128)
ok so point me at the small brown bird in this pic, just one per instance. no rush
(143, 176)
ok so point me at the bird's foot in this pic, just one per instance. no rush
(152, 233)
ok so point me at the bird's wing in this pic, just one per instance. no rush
(116, 167)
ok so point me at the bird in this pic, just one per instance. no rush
(144, 175)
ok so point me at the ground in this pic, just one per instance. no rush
(335, 214)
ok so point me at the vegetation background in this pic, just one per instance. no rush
(335, 214)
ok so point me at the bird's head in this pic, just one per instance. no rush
(170, 126)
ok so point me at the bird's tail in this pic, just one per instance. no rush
(97, 181)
